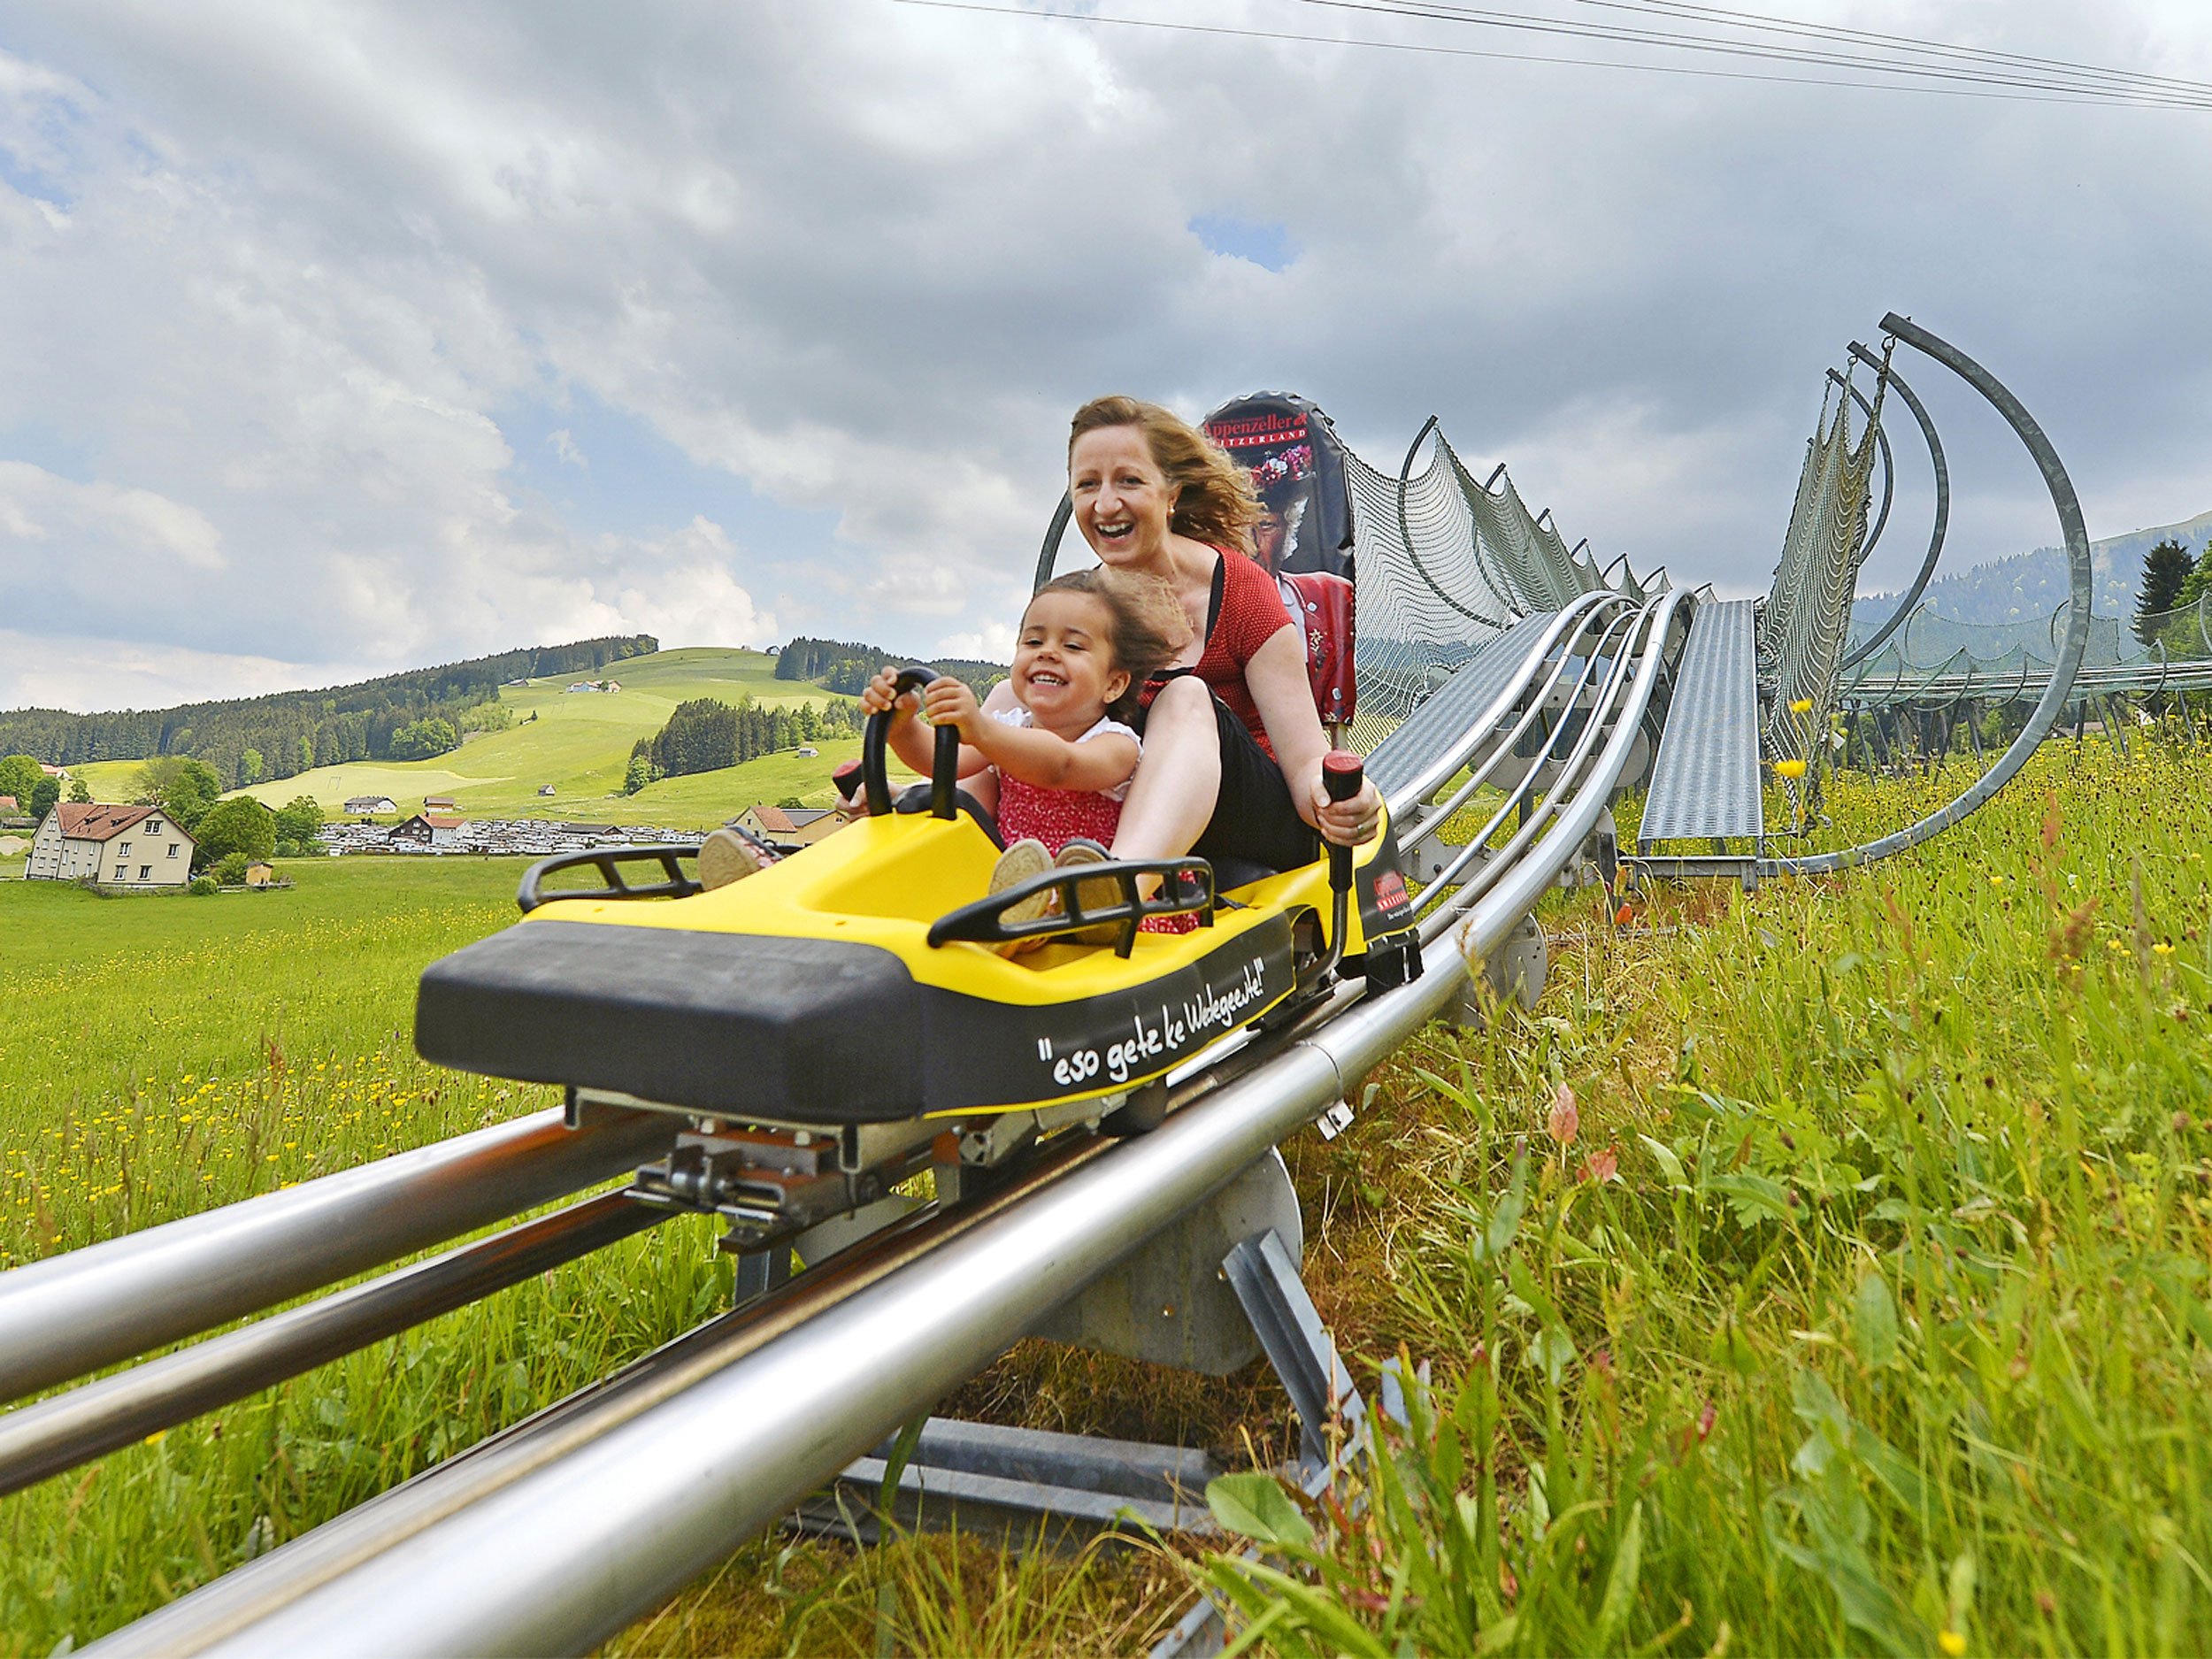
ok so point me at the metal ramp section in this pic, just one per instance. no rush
(1706, 783)
(1443, 717)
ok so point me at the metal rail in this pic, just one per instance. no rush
(43, 1440)
(77, 1313)
(668, 1475)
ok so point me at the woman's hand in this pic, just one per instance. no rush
(1349, 823)
(881, 696)
(949, 701)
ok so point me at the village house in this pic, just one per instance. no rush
(802, 825)
(364, 804)
(440, 804)
(116, 846)
(428, 829)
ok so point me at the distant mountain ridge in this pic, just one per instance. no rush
(2036, 584)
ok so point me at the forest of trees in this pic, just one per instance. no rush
(841, 665)
(704, 735)
(248, 739)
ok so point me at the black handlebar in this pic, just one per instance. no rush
(944, 776)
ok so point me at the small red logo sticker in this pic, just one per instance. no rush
(1390, 892)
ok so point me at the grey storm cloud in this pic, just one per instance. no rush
(279, 279)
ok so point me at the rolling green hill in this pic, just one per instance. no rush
(580, 742)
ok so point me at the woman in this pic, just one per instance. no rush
(1233, 748)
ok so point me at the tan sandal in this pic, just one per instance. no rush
(725, 856)
(1092, 894)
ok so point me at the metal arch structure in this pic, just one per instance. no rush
(2057, 691)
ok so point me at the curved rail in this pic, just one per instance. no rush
(2058, 688)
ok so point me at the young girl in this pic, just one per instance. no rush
(1055, 758)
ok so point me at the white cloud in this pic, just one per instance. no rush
(71, 671)
(272, 295)
(993, 644)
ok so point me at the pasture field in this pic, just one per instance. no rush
(580, 743)
(1821, 1269)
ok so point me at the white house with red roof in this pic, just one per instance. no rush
(115, 846)
(804, 825)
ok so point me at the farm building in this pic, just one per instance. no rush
(8, 807)
(440, 804)
(260, 875)
(428, 829)
(116, 846)
(804, 825)
(364, 804)
(546, 789)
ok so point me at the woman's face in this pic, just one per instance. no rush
(1267, 537)
(1121, 497)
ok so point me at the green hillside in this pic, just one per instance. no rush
(580, 743)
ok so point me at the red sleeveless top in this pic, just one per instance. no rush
(1246, 612)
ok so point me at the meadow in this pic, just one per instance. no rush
(1819, 1269)
(580, 743)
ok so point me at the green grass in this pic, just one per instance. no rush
(166, 1054)
(1891, 1335)
(581, 744)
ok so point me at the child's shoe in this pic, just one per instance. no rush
(1024, 859)
(727, 856)
(1091, 895)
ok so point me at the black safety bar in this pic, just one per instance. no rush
(608, 861)
(944, 779)
(1186, 885)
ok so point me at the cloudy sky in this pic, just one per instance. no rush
(347, 337)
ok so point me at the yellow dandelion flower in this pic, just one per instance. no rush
(1803, 705)
(1996, 881)
(1952, 1643)
(1790, 768)
(2163, 948)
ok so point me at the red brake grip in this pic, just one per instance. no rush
(1342, 774)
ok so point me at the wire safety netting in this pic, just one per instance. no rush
(1446, 565)
(1803, 631)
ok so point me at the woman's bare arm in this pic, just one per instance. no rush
(1276, 676)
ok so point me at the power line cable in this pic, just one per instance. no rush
(1787, 26)
(2023, 91)
(1431, 11)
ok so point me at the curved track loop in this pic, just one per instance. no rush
(2058, 690)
